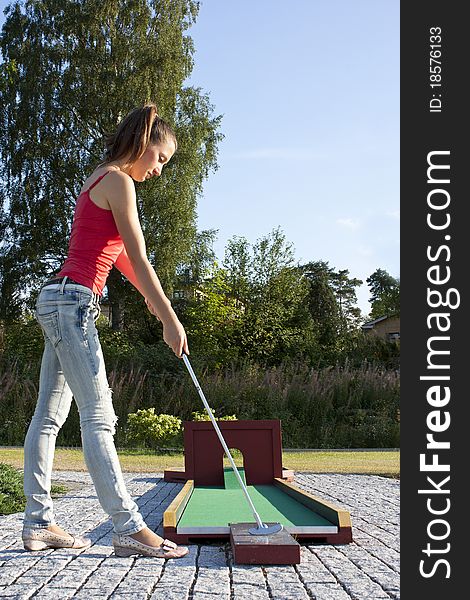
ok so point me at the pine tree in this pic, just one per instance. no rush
(385, 294)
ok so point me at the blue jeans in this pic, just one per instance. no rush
(73, 363)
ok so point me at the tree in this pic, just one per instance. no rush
(332, 305)
(385, 294)
(238, 266)
(345, 292)
(200, 261)
(322, 303)
(211, 318)
(276, 323)
(71, 69)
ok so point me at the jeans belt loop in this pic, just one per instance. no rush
(64, 281)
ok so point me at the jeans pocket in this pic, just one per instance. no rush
(44, 309)
(50, 324)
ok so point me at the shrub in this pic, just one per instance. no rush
(12, 498)
(347, 405)
(152, 431)
(203, 416)
(23, 340)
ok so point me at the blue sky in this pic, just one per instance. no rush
(309, 93)
(310, 98)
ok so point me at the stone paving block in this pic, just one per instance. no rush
(85, 594)
(13, 552)
(149, 565)
(140, 595)
(21, 562)
(329, 591)
(8, 575)
(34, 583)
(69, 579)
(15, 591)
(52, 562)
(146, 565)
(285, 593)
(312, 570)
(118, 562)
(362, 589)
(284, 572)
(170, 592)
(84, 562)
(213, 581)
(210, 595)
(104, 579)
(143, 584)
(49, 593)
(243, 591)
(248, 574)
(99, 549)
(284, 583)
(212, 556)
(184, 578)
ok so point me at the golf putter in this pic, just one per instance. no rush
(261, 528)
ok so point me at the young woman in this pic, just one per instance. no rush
(105, 232)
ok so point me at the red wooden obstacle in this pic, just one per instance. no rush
(258, 441)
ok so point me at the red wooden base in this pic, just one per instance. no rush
(277, 549)
(344, 536)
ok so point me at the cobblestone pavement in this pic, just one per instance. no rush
(366, 569)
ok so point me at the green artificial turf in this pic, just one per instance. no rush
(217, 507)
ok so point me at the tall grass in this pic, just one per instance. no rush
(319, 408)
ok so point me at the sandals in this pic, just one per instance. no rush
(125, 545)
(40, 538)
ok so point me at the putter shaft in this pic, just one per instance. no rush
(258, 520)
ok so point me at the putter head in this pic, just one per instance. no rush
(266, 530)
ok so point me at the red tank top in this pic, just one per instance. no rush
(94, 245)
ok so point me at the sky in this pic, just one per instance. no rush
(309, 93)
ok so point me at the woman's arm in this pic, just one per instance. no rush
(120, 193)
(124, 265)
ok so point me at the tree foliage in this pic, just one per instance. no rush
(211, 317)
(385, 294)
(332, 303)
(262, 306)
(70, 71)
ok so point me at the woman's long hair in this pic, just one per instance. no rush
(141, 127)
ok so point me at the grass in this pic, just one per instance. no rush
(384, 463)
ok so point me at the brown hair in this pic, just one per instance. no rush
(141, 127)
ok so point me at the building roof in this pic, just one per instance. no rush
(370, 324)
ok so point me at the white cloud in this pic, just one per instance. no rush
(349, 223)
(395, 214)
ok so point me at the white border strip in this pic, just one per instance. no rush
(226, 530)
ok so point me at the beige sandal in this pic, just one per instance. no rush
(125, 545)
(40, 538)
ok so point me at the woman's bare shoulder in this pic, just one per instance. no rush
(118, 190)
(117, 183)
